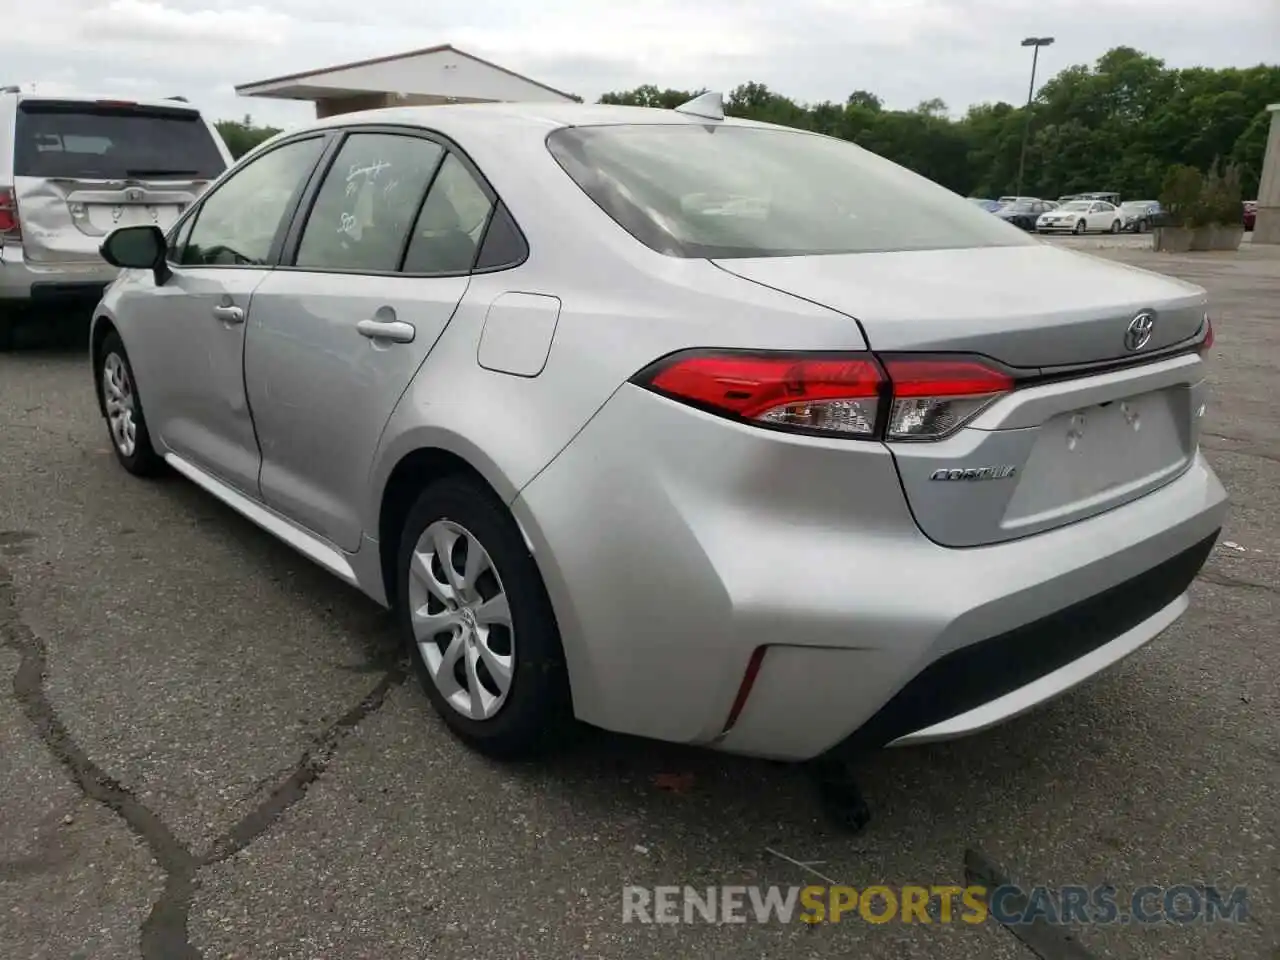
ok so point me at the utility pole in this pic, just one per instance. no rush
(1035, 43)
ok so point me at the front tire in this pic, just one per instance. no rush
(475, 616)
(1079, 228)
(122, 408)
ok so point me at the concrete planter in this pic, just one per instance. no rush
(1202, 238)
(1172, 239)
(1227, 237)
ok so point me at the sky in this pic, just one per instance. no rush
(906, 51)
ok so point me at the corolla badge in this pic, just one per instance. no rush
(975, 473)
(1140, 329)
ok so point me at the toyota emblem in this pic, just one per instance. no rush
(1139, 333)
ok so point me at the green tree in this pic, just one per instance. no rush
(1118, 124)
(241, 136)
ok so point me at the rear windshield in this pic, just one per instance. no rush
(100, 142)
(730, 191)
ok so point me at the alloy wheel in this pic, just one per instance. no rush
(461, 620)
(120, 401)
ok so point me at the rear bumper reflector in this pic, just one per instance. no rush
(744, 689)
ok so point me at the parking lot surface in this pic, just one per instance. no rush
(208, 747)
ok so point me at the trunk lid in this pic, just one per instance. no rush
(84, 168)
(1090, 426)
(1027, 306)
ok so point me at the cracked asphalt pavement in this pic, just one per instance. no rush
(207, 747)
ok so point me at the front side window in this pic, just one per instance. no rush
(237, 223)
(367, 203)
(694, 190)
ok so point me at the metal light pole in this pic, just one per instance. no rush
(1035, 43)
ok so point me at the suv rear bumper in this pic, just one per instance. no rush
(24, 282)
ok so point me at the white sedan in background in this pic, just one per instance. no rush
(1082, 216)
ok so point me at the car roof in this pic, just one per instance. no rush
(461, 117)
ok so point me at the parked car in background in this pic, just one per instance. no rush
(1023, 213)
(1081, 216)
(991, 206)
(72, 169)
(1250, 213)
(1104, 195)
(453, 341)
(1139, 216)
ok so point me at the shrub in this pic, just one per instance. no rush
(1180, 196)
(1230, 205)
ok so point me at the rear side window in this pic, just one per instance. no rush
(93, 141)
(365, 208)
(721, 190)
(451, 224)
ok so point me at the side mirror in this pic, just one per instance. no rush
(137, 248)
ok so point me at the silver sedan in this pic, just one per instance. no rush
(690, 427)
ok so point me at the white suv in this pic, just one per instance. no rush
(72, 169)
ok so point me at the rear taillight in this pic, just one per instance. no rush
(10, 229)
(831, 393)
(855, 395)
(1207, 343)
(935, 396)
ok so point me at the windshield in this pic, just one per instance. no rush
(1135, 205)
(725, 191)
(89, 141)
(1076, 205)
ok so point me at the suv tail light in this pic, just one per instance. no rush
(855, 395)
(10, 229)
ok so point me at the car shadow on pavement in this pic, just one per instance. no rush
(53, 330)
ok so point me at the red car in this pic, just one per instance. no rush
(1250, 213)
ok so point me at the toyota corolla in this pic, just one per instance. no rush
(690, 427)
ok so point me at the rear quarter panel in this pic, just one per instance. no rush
(622, 307)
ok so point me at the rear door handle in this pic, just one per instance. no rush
(229, 314)
(396, 331)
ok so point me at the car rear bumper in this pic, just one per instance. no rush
(674, 544)
(23, 281)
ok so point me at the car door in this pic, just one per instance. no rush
(188, 334)
(370, 278)
(1098, 217)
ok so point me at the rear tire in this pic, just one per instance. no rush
(1079, 228)
(481, 633)
(126, 422)
(1115, 226)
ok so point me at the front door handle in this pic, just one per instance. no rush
(396, 331)
(229, 314)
